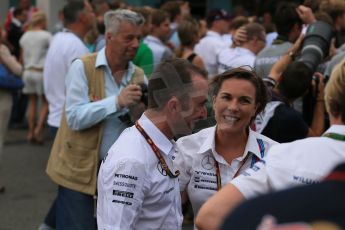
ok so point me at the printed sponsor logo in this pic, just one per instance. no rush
(207, 162)
(122, 202)
(267, 60)
(169, 190)
(208, 181)
(126, 176)
(124, 184)
(205, 187)
(123, 194)
(304, 180)
(255, 168)
(198, 179)
(204, 173)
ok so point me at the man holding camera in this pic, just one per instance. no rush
(100, 88)
(138, 183)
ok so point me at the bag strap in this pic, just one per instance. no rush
(95, 77)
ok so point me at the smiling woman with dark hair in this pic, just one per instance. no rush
(296, 164)
(211, 158)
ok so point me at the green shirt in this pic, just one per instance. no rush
(144, 59)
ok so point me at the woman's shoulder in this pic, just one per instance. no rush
(196, 139)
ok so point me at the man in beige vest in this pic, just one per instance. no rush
(100, 88)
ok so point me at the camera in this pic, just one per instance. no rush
(134, 113)
(316, 44)
(144, 94)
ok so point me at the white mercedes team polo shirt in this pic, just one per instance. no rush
(133, 190)
(300, 162)
(196, 162)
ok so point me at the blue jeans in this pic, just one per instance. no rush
(74, 210)
(71, 209)
(53, 130)
(50, 218)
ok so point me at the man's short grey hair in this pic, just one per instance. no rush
(114, 18)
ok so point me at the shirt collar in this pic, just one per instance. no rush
(153, 39)
(173, 25)
(101, 60)
(245, 51)
(254, 145)
(209, 143)
(339, 129)
(160, 140)
(212, 33)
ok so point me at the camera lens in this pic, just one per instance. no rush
(316, 44)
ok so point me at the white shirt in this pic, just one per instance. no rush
(230, 58)
(227, 39)
(133, 191)
(208, 48)
(160, 51)
(63, 49)
(195, 160)
(300, 162)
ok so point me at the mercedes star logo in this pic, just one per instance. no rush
(207, 162)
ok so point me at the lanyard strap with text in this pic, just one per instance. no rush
(154, 148)
(335, 136)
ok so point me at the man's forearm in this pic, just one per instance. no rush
(318, 122)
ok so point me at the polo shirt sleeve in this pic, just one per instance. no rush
(253, 182)
(122, 184)
(271, 174)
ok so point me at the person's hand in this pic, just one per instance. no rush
(129, 96)
(240, 36)
(318, 82)
(305, 14)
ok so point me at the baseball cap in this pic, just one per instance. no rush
(217, 14)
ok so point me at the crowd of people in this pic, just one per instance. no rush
(154, 110)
